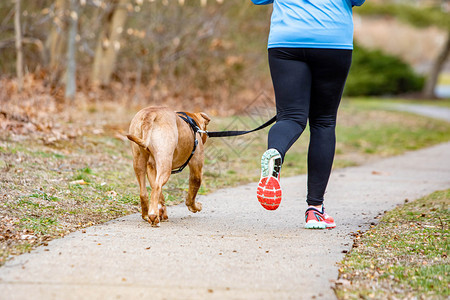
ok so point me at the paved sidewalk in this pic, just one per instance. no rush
(233, 249)
(441, 113)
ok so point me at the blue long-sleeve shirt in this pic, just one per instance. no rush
(311, 23)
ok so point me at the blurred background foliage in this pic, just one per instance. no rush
(375, 73)
(203, 51)
(419, 14)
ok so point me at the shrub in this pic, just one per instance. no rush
(374, 73)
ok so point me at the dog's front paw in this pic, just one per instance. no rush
(154, 220)
(196, 207)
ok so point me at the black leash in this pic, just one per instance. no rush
(239, 132)
(196, 129)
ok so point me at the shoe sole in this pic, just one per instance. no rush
(265, 163)
(269, 190)
(269, 193)
(312, 224)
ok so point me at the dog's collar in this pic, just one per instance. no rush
(196, 129)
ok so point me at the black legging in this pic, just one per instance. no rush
(308, 84)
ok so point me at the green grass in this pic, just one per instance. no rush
(39, 225)
(44, 196)
(404, 256)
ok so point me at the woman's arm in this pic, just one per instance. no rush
(357, 2)
(261, 2)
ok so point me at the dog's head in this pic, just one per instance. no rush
(202, 120)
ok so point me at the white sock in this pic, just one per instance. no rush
(321, 209)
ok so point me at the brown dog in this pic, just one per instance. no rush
(161, 142)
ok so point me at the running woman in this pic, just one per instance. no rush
(310, 52)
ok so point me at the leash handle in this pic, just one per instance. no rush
(239, 132)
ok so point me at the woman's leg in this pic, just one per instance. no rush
(291, 79)
(329, 69)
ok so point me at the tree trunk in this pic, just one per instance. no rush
(71, 51)
(57, 40)
(19, 59)
(430, 85)
(108, 44)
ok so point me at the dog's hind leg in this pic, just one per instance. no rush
(162, 144)
(195, 180)
(151, 174)
(140, 166)
(163, 168)
(156, 194)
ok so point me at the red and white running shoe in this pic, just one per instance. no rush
(316, 219)
(269, 190)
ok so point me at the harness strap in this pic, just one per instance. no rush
(196, 129)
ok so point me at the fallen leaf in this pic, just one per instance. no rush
(81, 182)
(380, 173)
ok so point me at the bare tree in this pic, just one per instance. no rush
(71, 51)
(57, 39)
(108, 43)
(19, 60)
(430, 85)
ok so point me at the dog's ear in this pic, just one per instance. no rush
(206, 117)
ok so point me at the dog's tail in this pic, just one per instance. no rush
(138, 141)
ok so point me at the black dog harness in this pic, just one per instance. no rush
(196, 129)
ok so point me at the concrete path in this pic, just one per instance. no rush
(442, 113)
(233, 249)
